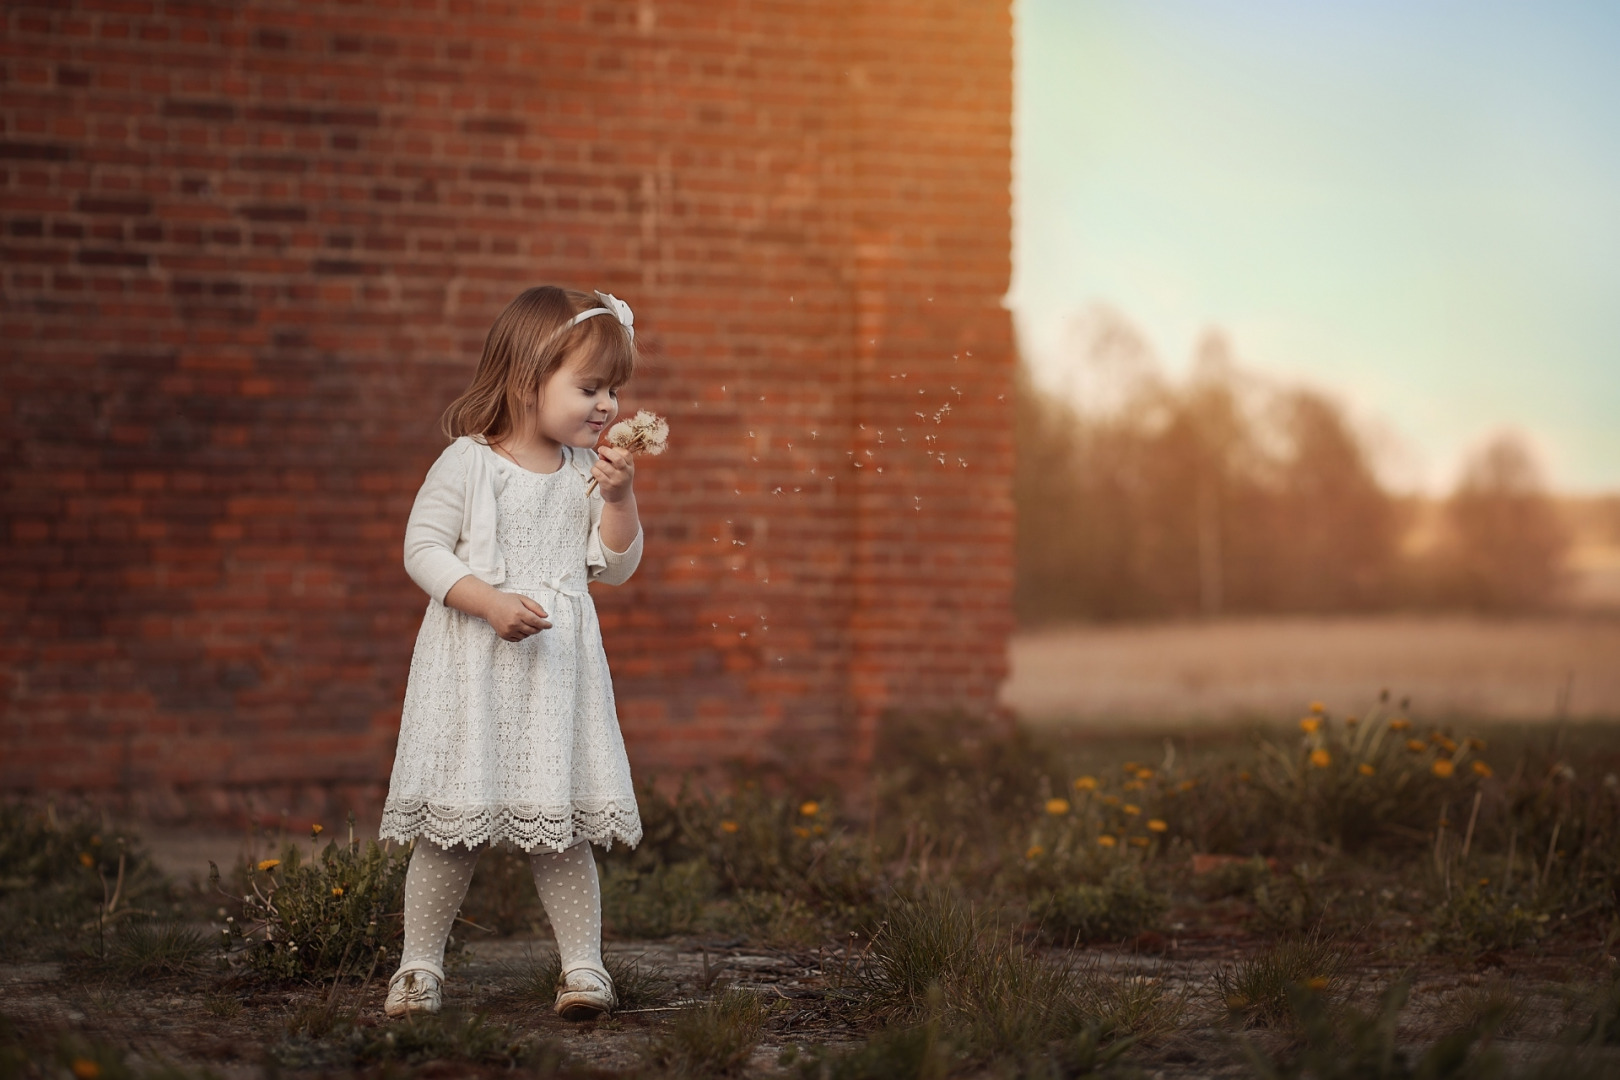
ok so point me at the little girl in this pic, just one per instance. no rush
(509, 731)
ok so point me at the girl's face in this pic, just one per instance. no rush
(575, 406)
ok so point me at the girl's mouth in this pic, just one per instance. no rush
(596, 425)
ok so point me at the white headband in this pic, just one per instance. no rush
(611, 305)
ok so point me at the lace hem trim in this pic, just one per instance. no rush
(528, 827)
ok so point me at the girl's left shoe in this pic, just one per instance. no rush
(416, 989)
(585, 993)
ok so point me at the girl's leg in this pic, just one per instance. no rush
(567, 884)
(435, 884)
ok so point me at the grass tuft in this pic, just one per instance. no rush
(716, 1039)
(640, 984)
(1494, 1007)
(1260, 990)
(1345, 1044)
(148, 948)
(937, 959)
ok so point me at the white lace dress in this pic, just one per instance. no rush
(517, 741)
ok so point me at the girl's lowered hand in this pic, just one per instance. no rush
(614, 471)
(514, 616)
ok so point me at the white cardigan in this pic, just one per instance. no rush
(451, 531)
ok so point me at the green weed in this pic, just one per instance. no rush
(1479, 918)
(336, 913)
(768, 917)
(664, 900)
(64, 875)
(1119, 907)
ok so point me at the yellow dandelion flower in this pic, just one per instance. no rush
(809, 808)
(1139, 841)
(1144, 773)
(1132, 766)
(1132, 809)
(1399, 725)
(1244, 776)
(729, 826)
(1106, 841)
(1417, 746)
(1035, 851)
(1321, 758)
(1110, 800)
(1318, 708)
(1310, 725)
(267, 865)
(1475, 744)
(1317, 983)
(1365, 769)
(1158, 825)
(1443, 768)
(86, 858)
(1482, 769)
(1484, 881)
(1186, 785)
(316, 830)
(1132, 785)
(85, 1069)
(1449, 744)
(337, 890)
(1351, 721)
(1086, 783)
(801, 832)
(1057, 807)
(818, 830)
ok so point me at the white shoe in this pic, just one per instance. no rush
(585, 993)
(414, 990)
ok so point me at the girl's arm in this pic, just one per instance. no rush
(615, 473)
(513, 615)
(430, 555)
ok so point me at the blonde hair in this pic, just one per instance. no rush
(527, 343)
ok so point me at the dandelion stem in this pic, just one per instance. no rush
(1473, 816)
(1440, 839)
(1552, 849)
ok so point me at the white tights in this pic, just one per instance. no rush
(436, 882)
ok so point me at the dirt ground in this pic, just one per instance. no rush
(1269, 668)
(231, 1027)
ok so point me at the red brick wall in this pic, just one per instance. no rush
(251, 251)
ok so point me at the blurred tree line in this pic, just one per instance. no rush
(1226, 493)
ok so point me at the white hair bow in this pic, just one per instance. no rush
(611, 305)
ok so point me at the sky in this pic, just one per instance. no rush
(1414, 205)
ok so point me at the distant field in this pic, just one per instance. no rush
(1232, 669)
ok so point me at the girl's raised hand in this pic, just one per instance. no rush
(614, 472)
(515, 616)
